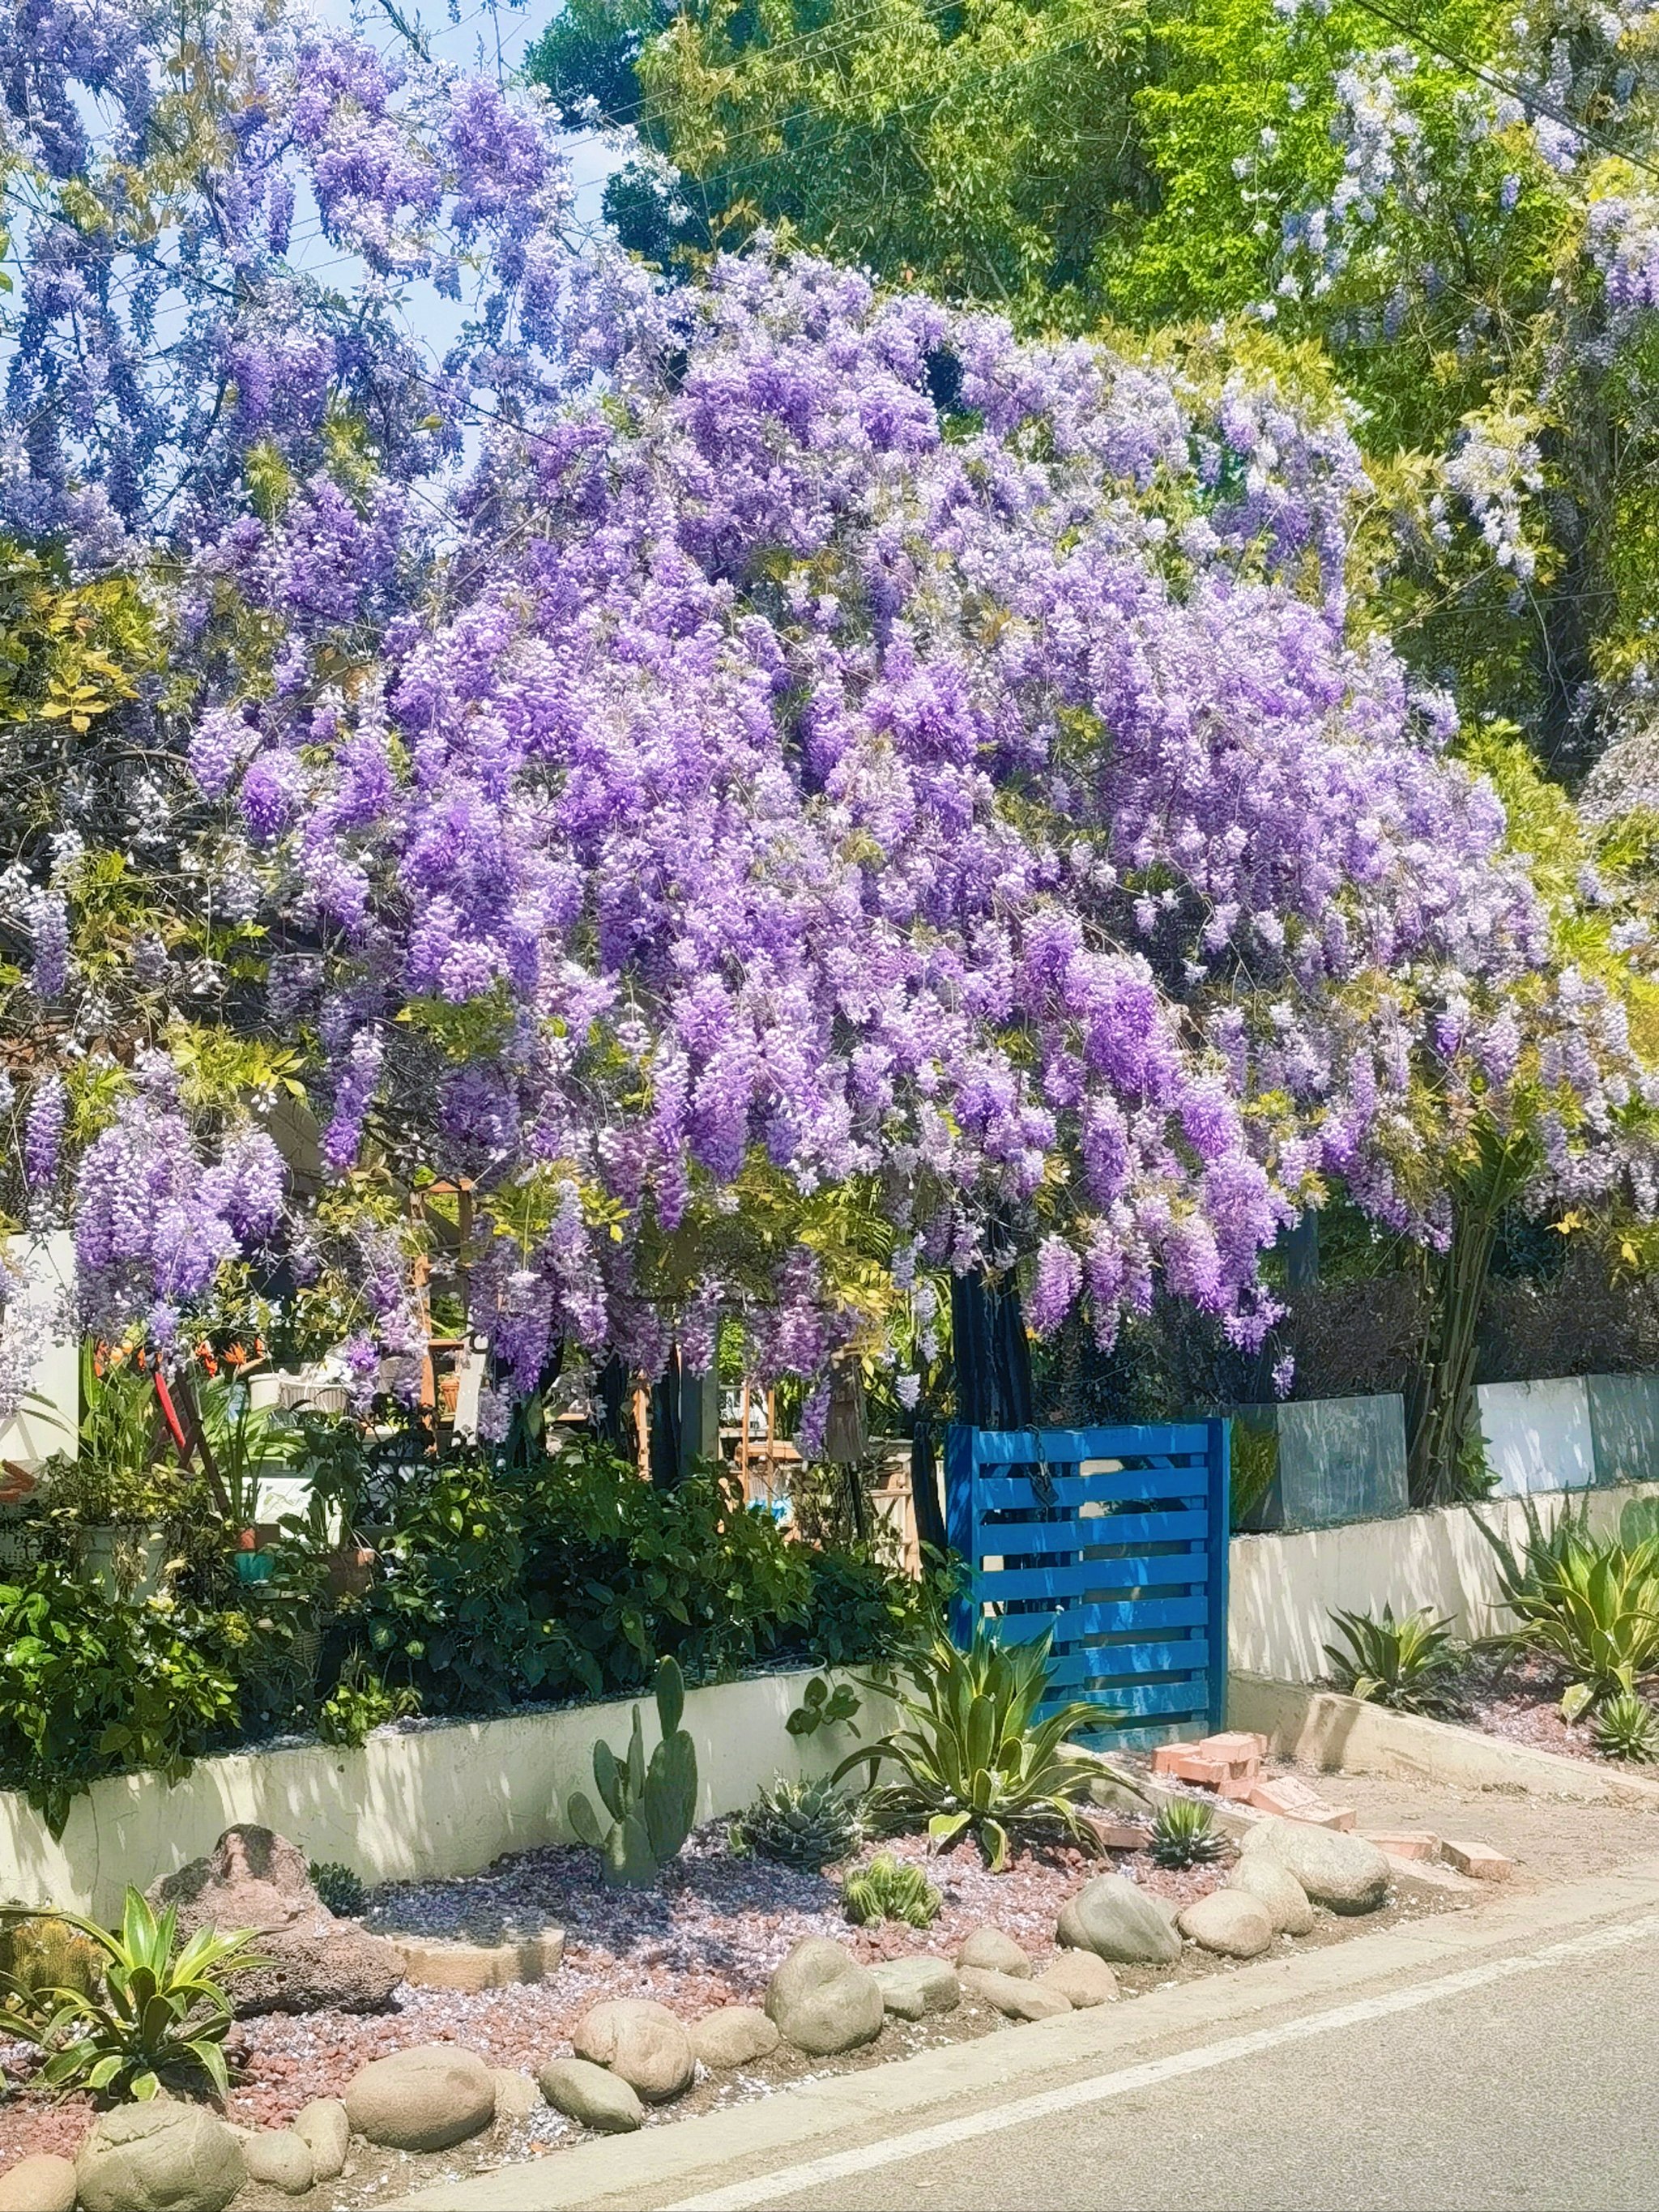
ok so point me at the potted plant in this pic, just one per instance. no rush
(116, 1493)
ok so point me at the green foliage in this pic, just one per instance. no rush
(811, 1824)
(91, 1685)
(889, 1889)
(1638, 1523)
(245, 1441)
(1408, 1664)
(1626, 1726)
(1521, 1574)
(123, 1468)
(975, 1758)
(652, 1807)
(568, 1576)
(1185, 1834)
(1597, 1609)
(42, 1952)
(361, 1702)
(162, 2018)
(823, 1707)
(340, 1889)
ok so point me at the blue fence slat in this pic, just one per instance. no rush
(1003, 1447)
(1023, 1539)
(1120, 1617)
(1098, 1578)
(1019, 1493)
(1135, 1597)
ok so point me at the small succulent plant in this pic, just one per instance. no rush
(1627, 1728)
(1185, 1834)
(648, 1808)
(809, 1825)
(340, 1889)
(889, 1889)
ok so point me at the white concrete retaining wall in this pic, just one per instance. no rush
(1284, 1588)
(446, 1798)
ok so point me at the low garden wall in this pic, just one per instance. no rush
(1283, 1589)
(441, 1798)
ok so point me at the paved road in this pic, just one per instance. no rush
(1535, 2095)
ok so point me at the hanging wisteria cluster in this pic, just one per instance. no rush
(770, 740)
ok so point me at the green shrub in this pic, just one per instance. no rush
(340, 1889)
(976, 1761)
(810, 1824)
(889, 1889)
(570, 1577)
(159, 2021)
(361, 1702)
(91, 1685)
(1408, 1664)
(1185, 1834)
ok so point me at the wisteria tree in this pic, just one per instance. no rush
(679, 759)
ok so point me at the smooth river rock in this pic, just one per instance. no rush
(592, 2095)
(995, 1951)
(823, 2000)
(1119, 1923)
(640, 2040)
(1334, 1867)
(736, 2035)
(423, 2099)
(1262, 1876)
(1229, 1923)
(165, 2156)
(920, 1984)
(1012, 1994)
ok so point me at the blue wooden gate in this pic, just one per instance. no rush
(1116, 1538)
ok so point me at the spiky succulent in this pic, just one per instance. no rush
(1627, 1728)
(1185, 1834)
(889, 1889)
(809, 1825)
(340, 1889)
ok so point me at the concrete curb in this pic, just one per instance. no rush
(1344, 1736)
(670, 2159)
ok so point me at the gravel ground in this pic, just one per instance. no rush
(1519, 1697)
(711, 1934)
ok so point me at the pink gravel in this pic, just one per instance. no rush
(710, 1935)
(1520, 1700)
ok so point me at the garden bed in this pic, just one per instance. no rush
(1517, 1697)
(711, 1934)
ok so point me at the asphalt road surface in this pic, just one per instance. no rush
(1537, 2091)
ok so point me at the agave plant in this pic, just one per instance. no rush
(160, 2018)
(1596, 1608)
(976, 1760)
(1185, 1834)
(809, 1825)
(1407, 1663)
(1627, 1728)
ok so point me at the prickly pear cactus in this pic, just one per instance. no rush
(651, 1805)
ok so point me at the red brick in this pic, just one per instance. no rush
(1477, 1859)
(1292, 1800)
(1120, 1835)
(1404, 1842)
(1239, 1748)
(1237, 1786)
(1182, 1761)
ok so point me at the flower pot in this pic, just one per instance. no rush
(253, 1567)
(126, 1556)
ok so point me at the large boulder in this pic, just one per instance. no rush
(994, 1951)
(1260, 1876)
(1081, 1978)
(823, 2000)
(39, 2183)
(425, 2098)
(1335, 1868)
(279, 2159)
(917, 1985)
(323, 2127)
(642, 2041)
(1229, 1923)
(1016, 1996)
(1118, 1922)
(165, 2156)
(592, 2095)
(254, 1878)
(736, 2035)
